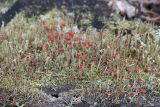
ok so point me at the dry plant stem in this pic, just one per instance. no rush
(100, 60)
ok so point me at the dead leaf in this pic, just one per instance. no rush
(3, 37)
(27, 58)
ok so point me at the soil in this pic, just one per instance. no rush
(97, 9)
(65, 97)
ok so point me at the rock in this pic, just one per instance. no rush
(126, 8)
(145, 9)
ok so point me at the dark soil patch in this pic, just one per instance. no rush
(68, 98)
(97, 9)
(65, 96)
